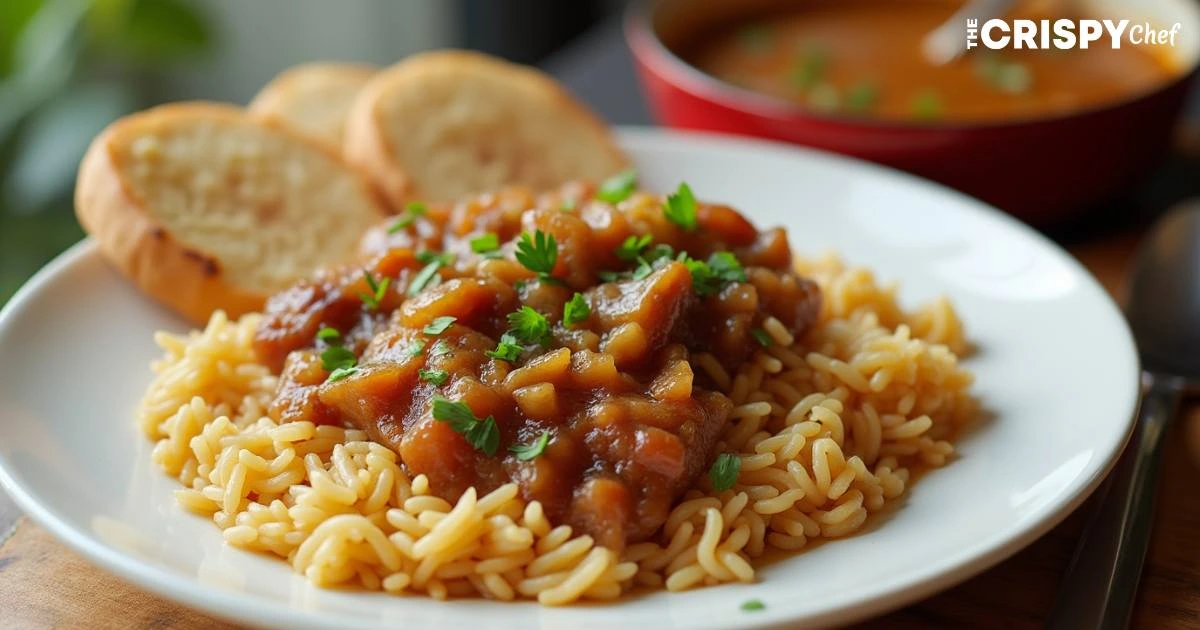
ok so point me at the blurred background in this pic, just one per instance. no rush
(69, 67)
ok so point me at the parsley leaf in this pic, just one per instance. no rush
(486, 244)
(529, 326)
(753, 604)
(481, 434)
(724, 471)
(643, 270)
(609, 276)
(341, 373)
(576, 310)
(526, 452)
(412, 211)
(423, 277)
(509, 349)
(538, 252)
(762, 337)
(662, 250)
(632, 247)
(439, 325)
(440, 348)
(680, 208)
(328, 335)
(617, 188)
(335, 357)
(437, 377)
(414, 348)
(377, 291)
(725, 266)
(428, 256)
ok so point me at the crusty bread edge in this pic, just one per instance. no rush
(366, 147)
(265, 104)
(181, 277)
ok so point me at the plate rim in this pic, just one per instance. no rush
(896, 593)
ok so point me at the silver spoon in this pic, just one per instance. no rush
(1163, 309)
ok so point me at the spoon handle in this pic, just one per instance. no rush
(1100, 585)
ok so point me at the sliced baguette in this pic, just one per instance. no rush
(441, 125)
(206, 208)
(315, 97)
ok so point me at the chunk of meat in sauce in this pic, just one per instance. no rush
(630, 426)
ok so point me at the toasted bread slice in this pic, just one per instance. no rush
(315, 97)
(205, 207)
(441, 125)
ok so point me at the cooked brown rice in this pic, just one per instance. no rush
(828, 428)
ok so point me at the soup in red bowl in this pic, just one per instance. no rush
(1040, 133)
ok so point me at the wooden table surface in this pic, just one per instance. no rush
(43, 584)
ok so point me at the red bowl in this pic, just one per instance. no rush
(1038, 169)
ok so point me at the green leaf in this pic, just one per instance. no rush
(414, 348)
(412, 211)
(158, 31)
(335, 357)
(762, 337)
(440, 348)
(429, 255)
(618, 187)
(328, 335)
(439, 325)
(725, 266)
(341, 373)
(423, 278)
(529, 326)
(643, 270)
(810, 68)
(526, 452)
(436, 377)
(576, 310)
(632, 247)
(378, 289)
(538, 253)
(680, 208)
(724, 471)
(862, 97)
(484, 435)
(485, 243)
(752, 605)
(509, 349)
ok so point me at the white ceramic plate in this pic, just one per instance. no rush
(1056, 370)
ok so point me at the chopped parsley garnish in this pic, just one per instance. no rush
(662, 250)
(412, 211)
(762, 337)
(486, 245)
(643, 270)
(439, 325)
(632, 247)
(617, 188)
(926, 105)
(529, 326)
(680, 208)
(526, 452)
(810, 68)
(428, 256)
(440, 348)
(724, 471)
(335, 357)
(609, 276)
(436, 377)
(509, 349)
(753, 604)
(372, 300)
(538, 252)
(328, 335)
(861, 97)
(708, 278)
(424, 277)
(340, 362)
(576, 310)
(481, 434)
(414, 348)
(341, 373)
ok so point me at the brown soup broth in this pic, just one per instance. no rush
(863, 57)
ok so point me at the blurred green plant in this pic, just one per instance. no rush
(67, 69)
